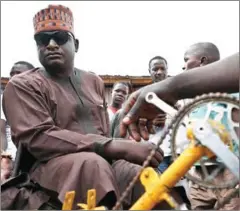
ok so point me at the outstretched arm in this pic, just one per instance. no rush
(221, 76)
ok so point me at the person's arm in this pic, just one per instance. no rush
(221, 76)
(28, 114)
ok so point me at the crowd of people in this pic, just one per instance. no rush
(57, 117)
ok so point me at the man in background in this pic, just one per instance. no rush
(197, 55)
(158, 69)
(8, 149)
(20, 67)
(120, 93)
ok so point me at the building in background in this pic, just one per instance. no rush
(135, 81)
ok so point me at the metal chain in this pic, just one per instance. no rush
(145, 164)
(167, 130)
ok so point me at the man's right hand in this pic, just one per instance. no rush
(137, 108)
(133, 152)
(160, 120)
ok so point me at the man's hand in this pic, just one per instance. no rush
(6, 166)
(133, 152)
(140, 152)
(5, 174)
(159, 121)
(137, 108)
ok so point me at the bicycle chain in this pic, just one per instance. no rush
(167, 131)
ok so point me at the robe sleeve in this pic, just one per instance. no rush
(27, 111)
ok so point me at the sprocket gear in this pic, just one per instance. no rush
(207, 100)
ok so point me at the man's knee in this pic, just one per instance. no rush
(75, 162)
(93, 159)
(86, 158)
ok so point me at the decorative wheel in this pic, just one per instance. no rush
(220, 108)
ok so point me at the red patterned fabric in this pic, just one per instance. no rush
(53, 18)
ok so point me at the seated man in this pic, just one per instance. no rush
(62, 121)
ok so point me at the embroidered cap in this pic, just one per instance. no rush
(53, 18)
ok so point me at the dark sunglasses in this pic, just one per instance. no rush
(60, 37)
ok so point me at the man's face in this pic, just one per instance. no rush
(119, 94)
(158, 70)
(55, 49)
(191, 61)
(17, 69)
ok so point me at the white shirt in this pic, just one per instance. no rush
(165, 146)
(181, 139)
(110, 114)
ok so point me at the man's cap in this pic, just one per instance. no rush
(53, 18)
